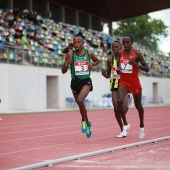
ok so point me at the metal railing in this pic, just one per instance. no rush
(24, 55)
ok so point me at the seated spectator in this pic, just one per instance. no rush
(36, 38)
(24, 39)
(2, 22)
(12, 30)
(2, 51)
(109, 42)
(30, 26)
(24, 14)
(2, 46)
(18, 33)
(102, 44)
(39, 20)
(10, 18)
(21, 52)
(10, 40)
(32, 16)
(93, 43)
(152, 68)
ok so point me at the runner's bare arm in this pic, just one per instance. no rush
(118, 54)
(141, 64)
(106, 73)
(67, 62)
(95, 60)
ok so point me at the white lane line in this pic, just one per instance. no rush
(58, 127)
(55, 127)
(30, 124)
(44, 147)
(54, 134)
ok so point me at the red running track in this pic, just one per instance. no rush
(32, 138)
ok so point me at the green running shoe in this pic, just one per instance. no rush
(83, 126)
(89, 132)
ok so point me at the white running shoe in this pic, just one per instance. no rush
(141, 133)
(128, 126)
(124, 131)
(120, 135)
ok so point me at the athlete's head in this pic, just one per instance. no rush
(127, 43)
(115, 46)
(78, 42)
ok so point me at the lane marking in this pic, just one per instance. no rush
(54, 134)
(70, 122)
(56, 127)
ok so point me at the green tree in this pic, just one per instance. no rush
(169, 54)
(145, 30)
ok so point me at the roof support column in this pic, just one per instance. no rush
(77, 18)
(89, 21)
(29, 4)
(10, 4)
(47, 10)
(100, 24)
(63, 14)
(110, 28)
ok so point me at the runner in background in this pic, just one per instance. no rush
(112, 64)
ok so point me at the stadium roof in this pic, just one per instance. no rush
(115, 10)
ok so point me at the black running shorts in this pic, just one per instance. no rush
(114, 84)
(76, 85)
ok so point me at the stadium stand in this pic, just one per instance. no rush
(26, 38)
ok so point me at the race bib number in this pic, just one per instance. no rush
(81, 68)
(126, 68)
(114, 73)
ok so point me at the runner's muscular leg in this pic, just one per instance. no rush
(116, 109)
(126, 104)
(122, 91)
(139, 107)
(80, 101)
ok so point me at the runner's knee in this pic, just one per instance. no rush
(126, 108)
(119, 100)
(139, 107)
(116, 108)
(80, 101)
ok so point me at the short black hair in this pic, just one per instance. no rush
(131, 38)
(117, 41)
(79, 35)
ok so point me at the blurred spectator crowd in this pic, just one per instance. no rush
(28, 38)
